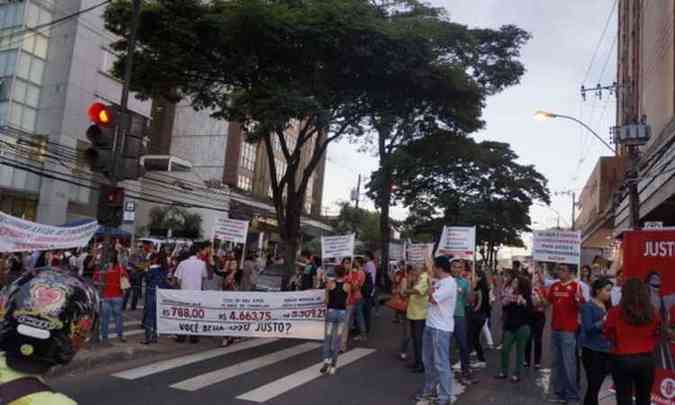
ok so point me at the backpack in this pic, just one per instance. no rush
(20, 388)
(367, 286)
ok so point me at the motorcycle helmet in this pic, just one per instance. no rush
(45, 317)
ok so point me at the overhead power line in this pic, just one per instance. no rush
(602, 37)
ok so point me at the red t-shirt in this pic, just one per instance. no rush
(566, 303)
(356, 280)
(631, 339)
(112, 282)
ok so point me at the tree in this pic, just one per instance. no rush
(449, 179)
(443, 77)
(366, 225)
(176, 222)
(275, 66)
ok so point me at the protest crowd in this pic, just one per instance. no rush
(444, 307)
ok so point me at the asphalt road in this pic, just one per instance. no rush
(285, 372)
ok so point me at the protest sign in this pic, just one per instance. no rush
(649, 255)
(458, 241)
(418, 253)
(18, 235)
(297, 314)
(337, 246)
(230, 230)
(395, 252)
(557, 246)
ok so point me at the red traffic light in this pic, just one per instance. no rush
(101, 114)
(114, 196)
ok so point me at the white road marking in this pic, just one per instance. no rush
(282, 385)
(140, 372)
(214, 377)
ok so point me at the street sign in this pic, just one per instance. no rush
(129, 211)
(653, 225)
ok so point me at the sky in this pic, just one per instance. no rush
(559, 59)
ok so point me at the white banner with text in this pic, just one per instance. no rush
(230, 230)
(557, 246)
(19, 235)
(296, 314)
(418, 253)
(337, 246)
(458, 241)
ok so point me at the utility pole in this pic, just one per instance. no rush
(358, 193)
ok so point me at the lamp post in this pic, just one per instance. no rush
(544, 115)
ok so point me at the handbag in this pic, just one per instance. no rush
(397, 303)
(124, 283)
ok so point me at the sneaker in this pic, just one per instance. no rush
(324, 368)
(122, 339)
(537, 366)
(403, 356)
(501, 376)
(331, 371)
(428, 398)
(515, 379)
(526, 365)
(498, 347)
(478, 364)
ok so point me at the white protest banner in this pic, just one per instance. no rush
(396, 252)
(418, 252)
(458, 241)
(296, 314)
(230, 230)
(557, 246)
(337, 246)
(18, 235)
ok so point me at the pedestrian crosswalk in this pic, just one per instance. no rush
(175, 370)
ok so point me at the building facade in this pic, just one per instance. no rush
(646, 79)
(50, 74)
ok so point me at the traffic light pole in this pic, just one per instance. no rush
(125, 122)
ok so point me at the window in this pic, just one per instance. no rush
(7, 63)
(108, 61)
(248, 156)
(30, 68)
(20, 207)
(23, 117)
(245, 183)
(26, 93)
(36, 45)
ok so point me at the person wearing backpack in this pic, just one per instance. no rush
(63, 313)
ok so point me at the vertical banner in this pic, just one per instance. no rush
(557, 247)
(297, 314)
(650, 256)
(230, 230)
(337, 246)
(458, 241)
(418, 253)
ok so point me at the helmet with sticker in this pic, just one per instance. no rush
(45, 317)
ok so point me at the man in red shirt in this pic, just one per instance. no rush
(565, 297)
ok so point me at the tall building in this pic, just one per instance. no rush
(49, 75)
(646, 82)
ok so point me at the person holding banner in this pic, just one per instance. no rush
(566, 298)
(155, 277)
(337, 294)
(191, 274)
(416, 313)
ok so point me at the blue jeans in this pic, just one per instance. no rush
(564, 347)
(335, 322)
(436, 355)
(461, 336)
(358, 311)
(112, 307)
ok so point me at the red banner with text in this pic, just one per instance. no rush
(650, 256)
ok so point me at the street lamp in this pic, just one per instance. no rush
(544, 115)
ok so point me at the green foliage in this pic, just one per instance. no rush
(366, 225)
(180, 221)
(449, 179)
